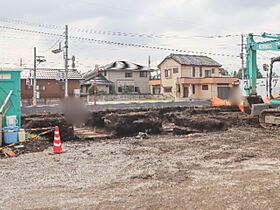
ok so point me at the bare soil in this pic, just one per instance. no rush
(236, 168)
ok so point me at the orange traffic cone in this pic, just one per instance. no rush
(57, 146)
(241, 107)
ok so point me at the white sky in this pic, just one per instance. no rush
(178, 17)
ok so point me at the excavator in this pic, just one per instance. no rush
(269, 114)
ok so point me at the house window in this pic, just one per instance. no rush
(193, 89)
(208, 73)
(175, 70)
(193, 71)
(137, 90)
(143, 74)
(43, 87)
(167, 73)
(167, 89)
(200, 71)
(204, 87)
(128, 74)
(213, 71)
(120, 89)
(128, 89)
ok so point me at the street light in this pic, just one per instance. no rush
(59, 50)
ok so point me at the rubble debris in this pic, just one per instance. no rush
(133, 123)
(8, 152)
(142, 135)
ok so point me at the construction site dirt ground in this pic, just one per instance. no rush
(234, 169)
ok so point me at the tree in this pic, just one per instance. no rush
(274, 74)
(224, 72)
(239, 73)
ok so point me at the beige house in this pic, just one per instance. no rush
(193, 76)
(127, 77)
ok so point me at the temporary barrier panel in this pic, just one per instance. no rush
(10, 83)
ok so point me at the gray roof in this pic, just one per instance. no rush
(193, 60)
(50, 74)
(124, 65)
(100, 79)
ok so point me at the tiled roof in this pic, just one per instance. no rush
(100, 79)
(50, 74)
(124, 65)
(193, 60)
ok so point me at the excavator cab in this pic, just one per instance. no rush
(269, 114)
(254, 104)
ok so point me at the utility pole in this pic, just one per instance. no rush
(66, 61)
(242, 56)
(39, 59)
(34, 79)
(96, 72)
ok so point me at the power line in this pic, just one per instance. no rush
(105, 42)
(118, 33)
(59, 39)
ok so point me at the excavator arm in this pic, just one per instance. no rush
(253, 100)
(251, 62)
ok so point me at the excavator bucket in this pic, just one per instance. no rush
(258, 108)
(254, 105)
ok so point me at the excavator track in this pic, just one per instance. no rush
(270, 118)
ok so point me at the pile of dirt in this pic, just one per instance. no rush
(96, 119)
(186, 120)
(37, 145)
(50, 120)
(31, 146)
(201, 123)
(123, 123)
(133, 123)
(208, 120)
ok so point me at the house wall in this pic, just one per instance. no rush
(104, 88)
(205, 94)
(119, 79)
(53, 88)
(212, 91)
(172, 80)
(187, 71)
